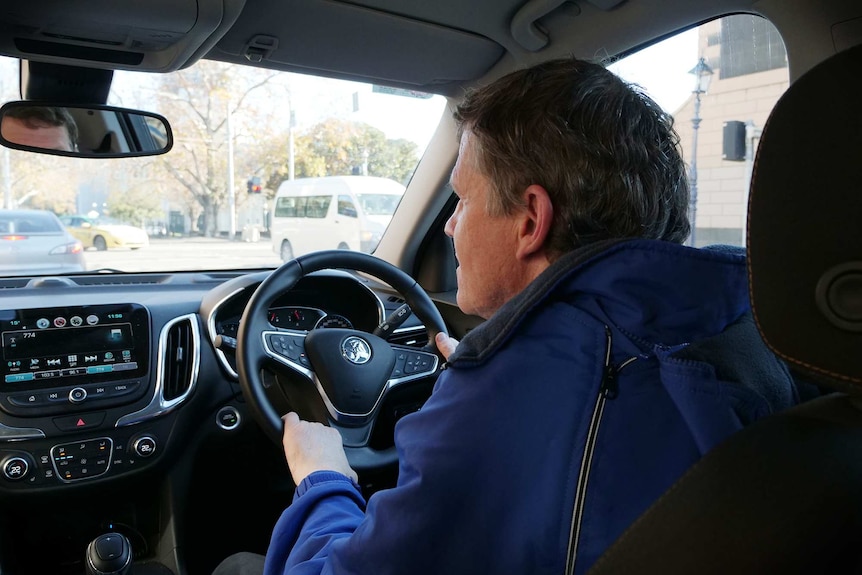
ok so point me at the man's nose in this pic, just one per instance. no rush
(449, 228)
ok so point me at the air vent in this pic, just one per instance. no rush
(119, 279)
(395, 299)
(413, 338)
(180, 353)
(179, 361)
(14, 283)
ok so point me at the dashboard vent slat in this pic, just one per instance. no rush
(179, 354)
(413, 338)
(119, 279)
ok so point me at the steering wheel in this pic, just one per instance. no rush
(351, 370)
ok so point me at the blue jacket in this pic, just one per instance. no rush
(557, 422)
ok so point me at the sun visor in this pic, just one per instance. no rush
(143, 35)
(359, 43)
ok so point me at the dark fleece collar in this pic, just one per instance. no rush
(653, 289)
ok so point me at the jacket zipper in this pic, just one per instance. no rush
(609, 389)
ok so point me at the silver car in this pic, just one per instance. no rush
(35, 242)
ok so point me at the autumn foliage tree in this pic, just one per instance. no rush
(338, 147)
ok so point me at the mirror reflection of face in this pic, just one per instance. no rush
(36, 134)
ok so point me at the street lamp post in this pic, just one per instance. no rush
(702, 75)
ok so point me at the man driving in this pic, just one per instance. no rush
(611, 359)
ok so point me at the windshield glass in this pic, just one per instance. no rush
(239, 134)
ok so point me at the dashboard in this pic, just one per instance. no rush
(86, 388)
(116, 386)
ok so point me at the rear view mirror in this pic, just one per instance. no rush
(95, 131)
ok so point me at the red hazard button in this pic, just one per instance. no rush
(78, 422)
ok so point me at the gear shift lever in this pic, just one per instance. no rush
(109, 554)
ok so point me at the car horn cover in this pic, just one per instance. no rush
(352, 366)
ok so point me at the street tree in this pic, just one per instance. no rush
(210, 96)
(338, 147)
(43, 182)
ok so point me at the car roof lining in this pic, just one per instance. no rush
(439, 47)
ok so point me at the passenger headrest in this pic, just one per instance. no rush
(805, 224)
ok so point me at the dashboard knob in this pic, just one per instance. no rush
(77, 395)
(15, 467)
(144, 446)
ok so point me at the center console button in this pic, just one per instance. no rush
(144, 446)
(15, 467)
(118, 389)
(79, 422)
(82, 459)
(228, 418)
(77, 395)
(27, 399)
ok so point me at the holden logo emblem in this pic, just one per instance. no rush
(356, 350)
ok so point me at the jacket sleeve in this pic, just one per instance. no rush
(327, 507)
(327, 529)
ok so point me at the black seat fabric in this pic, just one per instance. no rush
(785, 494)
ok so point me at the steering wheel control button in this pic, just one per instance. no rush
(82, 459)
(413, 363)
(77, 395)
(144, 446)
(289, 346)
(228, 418)
(15, 468)
(79, 422)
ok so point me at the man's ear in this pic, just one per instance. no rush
(535, 223)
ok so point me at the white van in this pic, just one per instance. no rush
(335, 212)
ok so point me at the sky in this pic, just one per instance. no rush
(662, 69)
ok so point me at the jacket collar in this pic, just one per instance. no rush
(653, 290)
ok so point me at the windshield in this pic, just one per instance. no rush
(239, 134)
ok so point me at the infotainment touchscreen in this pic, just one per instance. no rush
(63, 346)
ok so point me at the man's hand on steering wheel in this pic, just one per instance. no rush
(343, 373)
(311, 446)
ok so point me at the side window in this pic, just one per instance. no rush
(719, 81)
(285, 208)
(317, 206)
(346, 207)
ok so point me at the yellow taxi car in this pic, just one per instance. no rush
(104, 233)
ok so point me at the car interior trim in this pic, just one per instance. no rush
(159, 405)
(9, 433)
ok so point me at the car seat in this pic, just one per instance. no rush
(784, 495)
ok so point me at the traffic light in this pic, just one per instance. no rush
(254, 186)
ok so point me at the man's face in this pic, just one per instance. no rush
(38, 136)
(488, 272)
